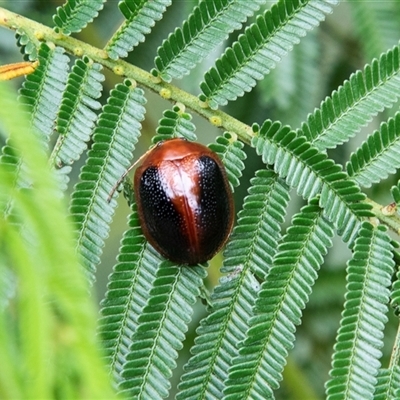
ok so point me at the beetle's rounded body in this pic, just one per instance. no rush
(184, 201)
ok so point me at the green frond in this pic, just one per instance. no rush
(355, 362)
(378, 156)
(285, 292)
(251, 248)
(388, 383)
(218, 335)
(230, 151)
(260, 48)
(354, 104)
(161, 331)
(76, 117)
(114, 139)
(313, 173)
(207, 26)
(141, 16)
(255, 239)
(175, 123)
(74, 15)
(127, 293)
(41, 94)
(42, 90)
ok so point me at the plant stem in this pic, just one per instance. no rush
(391, 221)
(36, 30)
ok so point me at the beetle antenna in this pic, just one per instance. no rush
(123, 176)
(119, 181)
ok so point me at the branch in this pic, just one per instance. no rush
(392, 221)
(122, 68)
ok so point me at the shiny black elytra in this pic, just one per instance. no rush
(184, 201)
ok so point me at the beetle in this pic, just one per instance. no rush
(184, 201)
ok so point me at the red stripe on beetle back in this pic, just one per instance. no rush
(181, 187)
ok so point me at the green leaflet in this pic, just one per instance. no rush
(247, 253)
(260, 48)
(175, 123)
(257, 370)
(312, 173)
(377, 157)
(388, 383)
(76, 117)
(206, 27)
(114, 139)
(161, 331)
(354, 104)
(74, 15)
(42, 90)
(128, 291)
(230, 151)
(41, 93)
(141, 16)
(355, 362)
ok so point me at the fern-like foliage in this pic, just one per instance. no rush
(174, 124)
(207, 26)
(388, 385)
(258, 368)
(42, 90)
(249, 252)
(161, 331)
(117, 132)
(127, 293)
(378, 156)
(74, 15)
(355, 363)
(355, 103)
(141, 16)
(311, 173)
(76, 116)
(230, 151)
(258, 50)
(41, 93)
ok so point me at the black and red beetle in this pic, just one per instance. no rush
(184, 201)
